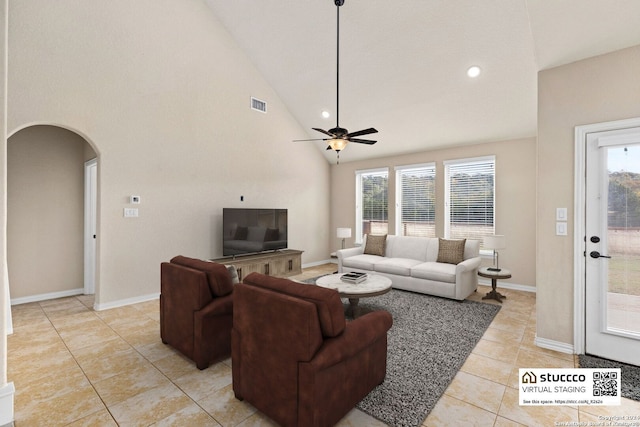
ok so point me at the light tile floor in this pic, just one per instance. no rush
(73, 366)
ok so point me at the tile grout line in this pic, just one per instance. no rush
(156, 369)
(80, 366)
(151, 363)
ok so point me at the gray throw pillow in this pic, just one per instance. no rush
(375, 245)
(451, 251)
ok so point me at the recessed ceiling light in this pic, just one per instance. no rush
(473, 71)
(326, 114)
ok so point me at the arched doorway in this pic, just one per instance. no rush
(45, 212)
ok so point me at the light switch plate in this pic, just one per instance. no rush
(561, 228)
(561, 214)
(130, 212)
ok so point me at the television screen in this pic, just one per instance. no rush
(247, 231)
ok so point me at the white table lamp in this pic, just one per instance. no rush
(495, 242)
(343, 233)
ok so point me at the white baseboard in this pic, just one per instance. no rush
(6, 404)
(126, 301)
(317, 263)
(554, 345)
(44, 297)
(80, 291)
(514, 286)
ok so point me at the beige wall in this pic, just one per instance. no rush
(515, 197)
(600, 89)
(45, 211)
(162, 93)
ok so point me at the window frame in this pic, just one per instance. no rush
(447, 193)
(429, 167)
(359, 174)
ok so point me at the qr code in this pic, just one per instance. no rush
(605, 383)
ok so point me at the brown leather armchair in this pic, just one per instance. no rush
(196, 309)
(294, 356)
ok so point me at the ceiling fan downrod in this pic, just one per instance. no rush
(338, 4)
(337, 138)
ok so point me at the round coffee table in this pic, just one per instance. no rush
(373, 286)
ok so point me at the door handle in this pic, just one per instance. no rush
(596, 254)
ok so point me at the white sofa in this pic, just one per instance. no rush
(410, 263)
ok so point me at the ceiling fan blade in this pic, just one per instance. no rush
(315, 139)
(323, 131)
(362, 141)
(362, 132)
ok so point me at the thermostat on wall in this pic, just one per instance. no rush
(134, 199)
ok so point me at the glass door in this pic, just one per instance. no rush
(613, 245)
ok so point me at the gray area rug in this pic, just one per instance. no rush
(630, 383)
(430, 340)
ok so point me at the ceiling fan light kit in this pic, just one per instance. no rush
(338, 138)
(337, 144)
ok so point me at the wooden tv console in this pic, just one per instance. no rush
(281, 263)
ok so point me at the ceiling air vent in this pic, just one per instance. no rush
(258, 105)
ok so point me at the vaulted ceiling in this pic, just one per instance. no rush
(403, 63)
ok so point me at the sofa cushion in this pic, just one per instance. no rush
(218, 276)
(409, 247)
(362, 262)
(399, 266)
(451, 251)
(327, 301)
(438, 271)
(471, 249)
(375, 245)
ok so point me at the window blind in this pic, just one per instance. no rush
(374, 205)
(469, 210)
(417, 201)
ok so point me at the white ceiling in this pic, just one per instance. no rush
(403, 63)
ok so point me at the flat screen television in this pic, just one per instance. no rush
(249, 231)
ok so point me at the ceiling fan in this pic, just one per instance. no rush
(337, 137)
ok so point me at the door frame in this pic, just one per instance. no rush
(90, 218)
(579, 224)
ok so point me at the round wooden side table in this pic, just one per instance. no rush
(494, 276)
